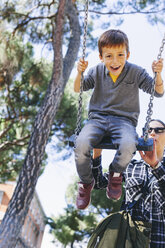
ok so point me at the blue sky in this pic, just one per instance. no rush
(145, 41)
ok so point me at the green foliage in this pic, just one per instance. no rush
(72, 226)
(145, 3)
(102, 205)
(23, 83)
(33, 18)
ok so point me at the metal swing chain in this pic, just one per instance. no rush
(150, 105)
(79, 114)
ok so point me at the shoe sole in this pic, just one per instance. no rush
(111, 198)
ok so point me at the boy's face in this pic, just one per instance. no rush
(114, 58)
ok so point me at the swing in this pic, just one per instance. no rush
(145, 143)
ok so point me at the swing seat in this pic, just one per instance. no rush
(107, 143)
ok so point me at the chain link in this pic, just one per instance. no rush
(79, 114)
(150, 105)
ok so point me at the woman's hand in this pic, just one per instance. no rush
(150, 157)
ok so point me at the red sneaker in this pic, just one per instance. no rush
(114, 188)
(84, 195)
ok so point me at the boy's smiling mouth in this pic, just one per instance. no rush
(114, 68)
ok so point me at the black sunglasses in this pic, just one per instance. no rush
(156, 129)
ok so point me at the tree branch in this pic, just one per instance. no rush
(18, 142)
(28, 19)
(3, 133)
(126, 13)
(25, 22)
(74, 41)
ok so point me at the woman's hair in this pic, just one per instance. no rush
(114, 38)
(163, 124)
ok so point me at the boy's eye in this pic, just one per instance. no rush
(121, 54)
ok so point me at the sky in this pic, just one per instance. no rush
(145, 41)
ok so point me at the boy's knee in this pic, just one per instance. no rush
(128, 146)
(82, 144)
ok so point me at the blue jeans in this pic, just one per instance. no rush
(121, 131)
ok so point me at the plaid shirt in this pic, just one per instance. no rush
(151, 205)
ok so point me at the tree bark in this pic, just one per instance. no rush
(74, 42)
(18, 207)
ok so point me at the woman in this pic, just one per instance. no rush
(145, 182)
(149, 174)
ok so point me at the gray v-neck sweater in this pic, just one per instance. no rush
(120, 98)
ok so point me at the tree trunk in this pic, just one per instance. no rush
(23, 194)
(74, 42)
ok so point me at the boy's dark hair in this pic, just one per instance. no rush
(111, 38)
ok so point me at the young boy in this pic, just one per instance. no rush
(113, 110)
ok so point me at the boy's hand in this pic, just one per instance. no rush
(157, 66)
(82, 65)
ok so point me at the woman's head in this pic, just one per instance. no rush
(157, 120)
(157, 132)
